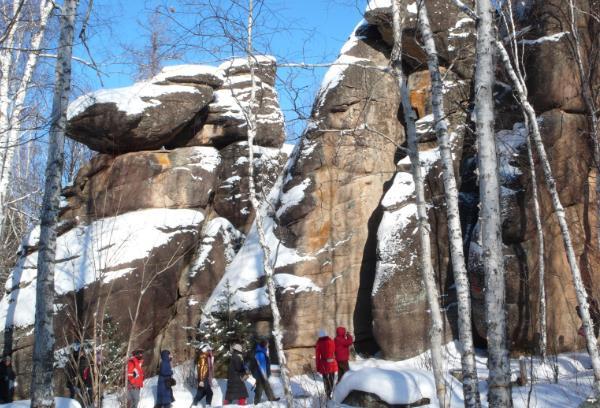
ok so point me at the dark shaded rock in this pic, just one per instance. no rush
(367, 399)
(110, 128)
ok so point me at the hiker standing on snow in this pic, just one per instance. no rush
(325, 360)
(236, 374)
(135, 378)
(205, 375)
(260, 368)
(343, 341)
(164, 390)
(7, 381)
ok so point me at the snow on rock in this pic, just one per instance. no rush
(247, 266)
(131, 100)
(374, 5)
(215, 227)
(208, 158)
(547, 38)
(102, 251)
(192, 73)
(336, 72)
(397, 229)
(293, 196)
(394, 387)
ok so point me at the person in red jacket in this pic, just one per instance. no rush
(135, 378)
(325, 360)
(343, 341)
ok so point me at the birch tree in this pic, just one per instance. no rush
(465, 333)
(15, 84)
(431, 290)
(491, 231)
(540, 255)
(43, 349)
(580, 291)
(251, 120)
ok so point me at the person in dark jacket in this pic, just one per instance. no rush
(164, 390)
(236, 373)
(343, 340)
(205, 371)
(260, 368)
(325, 360)
(7, 381)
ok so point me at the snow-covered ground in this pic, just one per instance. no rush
(396, 382)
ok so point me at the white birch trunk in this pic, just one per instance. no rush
(42, 393)
(559, 210)
(543, 345)
(269, 272)
(10, 127)
(465, 334)
(431, 290)
(499, 394)
(588, 98)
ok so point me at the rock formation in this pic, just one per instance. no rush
(145, 234)
(164, 206)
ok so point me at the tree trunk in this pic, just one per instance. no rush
(465, 334)
(491, 233)
(540, 236)
(435, 331)
(10, 127)
(270, 281)
(42, 393)
(580, 290)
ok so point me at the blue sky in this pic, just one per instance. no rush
(298, 31)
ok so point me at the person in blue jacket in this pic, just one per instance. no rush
(261, 371)
(164, 390)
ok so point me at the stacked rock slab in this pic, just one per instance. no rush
(149, 224)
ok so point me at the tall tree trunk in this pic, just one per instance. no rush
(42, 393)
(435, 331)
(465, 333)
(10, 128)
(582, 296)
(251, 119)
(499, 394)
(588, 98)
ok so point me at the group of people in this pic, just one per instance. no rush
(258, 365)
(332, 356)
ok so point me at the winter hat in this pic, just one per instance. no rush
(204, 347)
(322, 333)
(237, 347)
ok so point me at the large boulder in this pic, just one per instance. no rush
(144, 116)
(113, 185)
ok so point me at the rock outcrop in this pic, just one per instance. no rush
(171, 192)
(145, 234)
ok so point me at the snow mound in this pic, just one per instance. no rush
(394, 387)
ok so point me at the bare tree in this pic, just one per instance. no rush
(491, 231)
(15, 83)
(435, 331)
(251, 120)
(465, 332)
(158, 47)
(43, 350)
